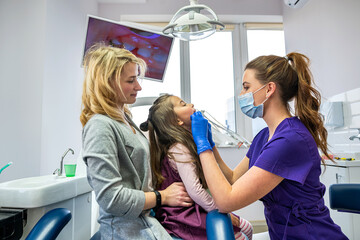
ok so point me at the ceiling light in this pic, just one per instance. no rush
(189, 24)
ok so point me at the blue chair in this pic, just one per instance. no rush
(345, 197)
(50, 225)
(219, 226)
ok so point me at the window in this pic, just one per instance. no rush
(265, 39)
(212, 78)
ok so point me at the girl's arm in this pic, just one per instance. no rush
(231, 175)
(187, 172)
(251, 186)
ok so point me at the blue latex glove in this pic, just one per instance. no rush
(199, 128)
(212, 144)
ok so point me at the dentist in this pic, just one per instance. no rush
(282, 166)
(116, 153)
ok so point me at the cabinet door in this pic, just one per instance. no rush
(354, 177)
(333, 175)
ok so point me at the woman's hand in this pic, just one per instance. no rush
(176, 195)
(199, 129)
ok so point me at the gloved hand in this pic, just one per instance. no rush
(199, 128)
(212, 144)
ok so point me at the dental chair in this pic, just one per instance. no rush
(50, 225)
(345, 197)
(219, 226)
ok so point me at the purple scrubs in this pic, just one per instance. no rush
(295, 208)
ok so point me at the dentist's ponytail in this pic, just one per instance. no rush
(294, 80)
(308, 100)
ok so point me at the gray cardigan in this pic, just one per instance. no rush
(118, 170)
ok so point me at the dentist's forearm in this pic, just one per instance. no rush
(219, 187)
(224, 168)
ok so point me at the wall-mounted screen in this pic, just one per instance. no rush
(149, 45)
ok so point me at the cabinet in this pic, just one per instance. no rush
(342, 172)
(40, 194)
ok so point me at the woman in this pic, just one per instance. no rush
(115, 151)
(282, 166)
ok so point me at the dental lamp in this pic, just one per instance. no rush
(189, 24)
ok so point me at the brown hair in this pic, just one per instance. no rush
(293, 78)
(164, 132)
(103, 65)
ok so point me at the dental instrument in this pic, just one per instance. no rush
(241, 141)
(348, 159)
(2, 169)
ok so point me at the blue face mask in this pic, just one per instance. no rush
(246, 103)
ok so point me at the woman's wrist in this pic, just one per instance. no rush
(163, 197)
(158, 199)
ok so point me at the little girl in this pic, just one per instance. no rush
(174, 158)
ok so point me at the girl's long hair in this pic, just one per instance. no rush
(293, 78)
(103, 66)
(164, 132)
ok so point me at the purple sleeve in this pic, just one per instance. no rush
(249, 153)
(256, 143)
(287, 157)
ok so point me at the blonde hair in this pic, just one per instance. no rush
(103, 66)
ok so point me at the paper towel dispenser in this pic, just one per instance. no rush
(333, 114)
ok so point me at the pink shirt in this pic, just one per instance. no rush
(187, 171)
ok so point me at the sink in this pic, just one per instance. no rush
(41, 191)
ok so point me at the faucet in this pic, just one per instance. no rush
(60, 170)
(355, 136)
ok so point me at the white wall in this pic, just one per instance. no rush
(328, 32)
(338, 138)
(63, 78)
(40, 82)
(22, 27)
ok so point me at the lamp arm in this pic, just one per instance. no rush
(193, 2)
(171, 27)
(222, 26)
(209, 10)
